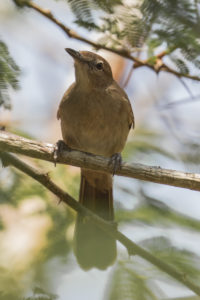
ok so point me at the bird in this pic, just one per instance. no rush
(96, 117)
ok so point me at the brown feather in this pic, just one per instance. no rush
(96, 117)
(92, 246)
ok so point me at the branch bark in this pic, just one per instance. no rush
(159, 65)
(16, 144)
(132, 248)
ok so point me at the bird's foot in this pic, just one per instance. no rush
(59, 147)
(115, 162)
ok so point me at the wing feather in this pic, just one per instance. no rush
(119, 94)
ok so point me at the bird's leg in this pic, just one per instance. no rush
(115, 162)
(59, 147)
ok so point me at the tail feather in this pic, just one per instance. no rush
(92, 246)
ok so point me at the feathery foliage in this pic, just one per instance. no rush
(154, 212)
(136, 279)
(83, 10)
(183, 260)
(146, 25)
(128, 283)
(9, 74)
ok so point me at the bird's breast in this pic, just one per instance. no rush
(94, 123)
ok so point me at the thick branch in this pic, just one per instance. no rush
(109, 228)
(159, 65)
(44, 151)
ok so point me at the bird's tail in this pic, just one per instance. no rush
(92, 246)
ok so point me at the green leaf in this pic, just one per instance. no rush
(9, 74)
(183, 260)
(147, 25)
(83, 11)
(156, 213)
(128, 284)
(180, 64)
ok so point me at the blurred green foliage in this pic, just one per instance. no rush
(155, 213)
(137, 279)
(9, 75)
(17, 190)
(127, 283)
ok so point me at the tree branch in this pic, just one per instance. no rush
(122, 52)
(132, 248)
(16, 144)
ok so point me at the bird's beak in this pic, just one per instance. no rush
(75, 54)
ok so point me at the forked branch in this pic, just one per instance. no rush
(131, 247)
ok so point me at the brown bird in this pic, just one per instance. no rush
(96, 117)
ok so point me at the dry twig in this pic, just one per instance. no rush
(16, 144)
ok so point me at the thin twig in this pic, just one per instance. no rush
(162, 54)
(169, 70)
(16, 144)
(122, 52)
(187, 100)
(132, 248)
(128, 77)
(186, 87)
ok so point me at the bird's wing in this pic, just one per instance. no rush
(64, 99)
(119, 94)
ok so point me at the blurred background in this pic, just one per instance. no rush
(36, 234)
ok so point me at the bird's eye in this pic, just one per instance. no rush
(99, 66)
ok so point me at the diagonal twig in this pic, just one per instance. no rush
(132, 248)
(187, 100)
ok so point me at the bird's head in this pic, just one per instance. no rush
(91, 69)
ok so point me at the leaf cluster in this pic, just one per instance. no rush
(17, 189)
(84, 11)
(9, 75)
(137, 279)
(146, 25)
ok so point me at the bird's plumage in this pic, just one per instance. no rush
(96, 117)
